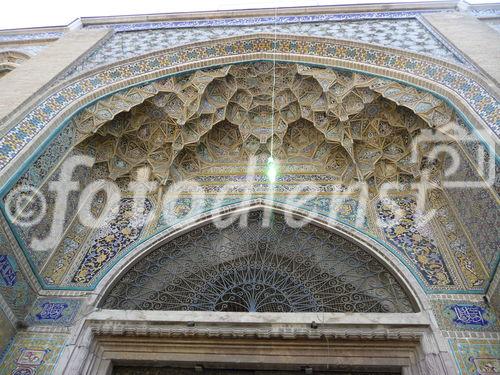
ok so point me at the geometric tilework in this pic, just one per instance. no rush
(385, 28)
(33, 178)
(407, 34)
(52, 155)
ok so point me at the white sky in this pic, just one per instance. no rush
(34, 13)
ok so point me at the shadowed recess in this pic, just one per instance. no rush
(259, 268)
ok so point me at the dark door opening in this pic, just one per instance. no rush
(200, 370)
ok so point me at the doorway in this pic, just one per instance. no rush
(214, 370)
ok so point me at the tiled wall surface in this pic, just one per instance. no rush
(470, 325)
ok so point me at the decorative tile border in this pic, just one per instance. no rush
(409, 34)
(283, 20)
(268, 20)
(30, 36)
(483, 103)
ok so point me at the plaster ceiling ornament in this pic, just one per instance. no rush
(355, 126)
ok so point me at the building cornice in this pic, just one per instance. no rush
(282, 11)
(107, 21)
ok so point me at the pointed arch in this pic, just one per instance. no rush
(59, 106)
(347, 234)
(10, 60)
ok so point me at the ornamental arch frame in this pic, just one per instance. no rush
(39, 130)
(11, 59)
(371, 245)
(97, 323)
(93, 347)
(41, 125)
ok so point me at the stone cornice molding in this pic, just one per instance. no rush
(281, 11)
(99, 341)
(114, 329)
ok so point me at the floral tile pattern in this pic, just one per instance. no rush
(112, 238)
(477, 357)
(413, 242)
(32, 353)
